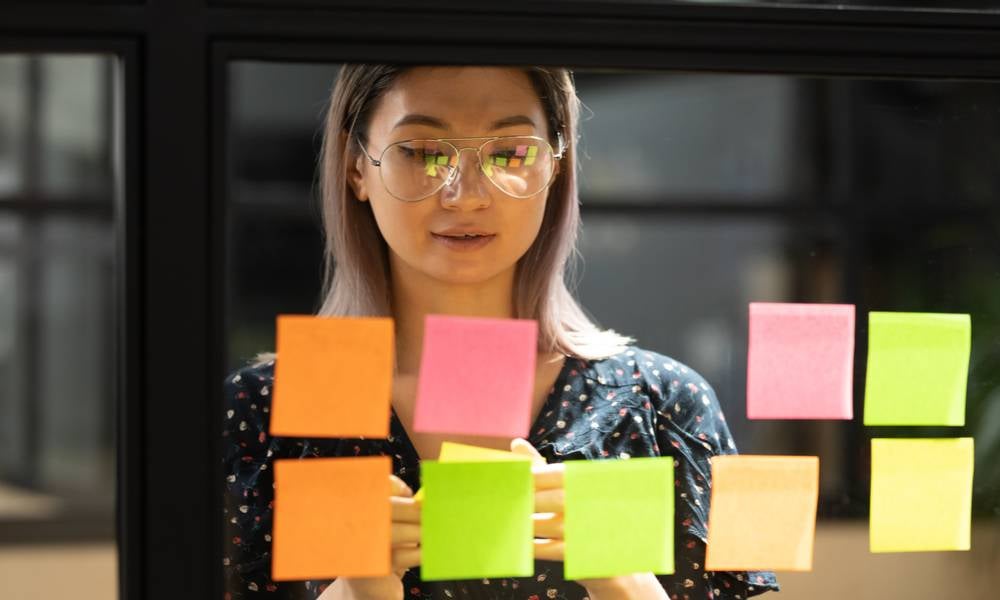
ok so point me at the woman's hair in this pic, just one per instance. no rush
(356, 263)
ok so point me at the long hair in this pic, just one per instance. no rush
(357, 281)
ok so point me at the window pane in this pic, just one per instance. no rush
(57, 324)
(701, 193)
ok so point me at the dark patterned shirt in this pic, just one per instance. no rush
(636, 403)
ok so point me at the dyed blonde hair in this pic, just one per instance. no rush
(360, 283)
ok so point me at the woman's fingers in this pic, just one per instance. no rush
(404, 534)
(405, 510)
(524, 448)
(549, 550)
(548, 526)
(405, 558)
(550, 501)
(548, 477)
(399, 487)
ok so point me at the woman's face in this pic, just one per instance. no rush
(467, 101)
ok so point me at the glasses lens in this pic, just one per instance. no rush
(412, 170)
(520, 166)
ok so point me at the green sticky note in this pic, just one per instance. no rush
(619, 517)
(921, 498)
(918, 366)
(476, 520)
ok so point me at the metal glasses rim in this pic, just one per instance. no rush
(487, 139)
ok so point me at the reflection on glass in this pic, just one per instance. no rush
(57, 353)
(695, 138)
(701, 193)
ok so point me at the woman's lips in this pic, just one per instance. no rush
(463, 243)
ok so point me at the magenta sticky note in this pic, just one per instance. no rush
(800, 363)
(477, 376)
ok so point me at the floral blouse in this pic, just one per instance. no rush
(636, 403)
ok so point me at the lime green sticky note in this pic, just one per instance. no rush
(918, 366)
(476, 520)
(921, 498)
(619, 517)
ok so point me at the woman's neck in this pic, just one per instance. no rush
(414, 295)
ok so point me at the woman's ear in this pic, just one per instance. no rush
(355, 173)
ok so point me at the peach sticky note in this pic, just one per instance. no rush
(921, 496)
(332, 518)
(332, 377)
(455, 452)
(477, 376)
(800, 363)
(762, 513)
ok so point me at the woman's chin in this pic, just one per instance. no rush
(463, 274)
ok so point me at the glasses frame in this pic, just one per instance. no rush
(479, 155)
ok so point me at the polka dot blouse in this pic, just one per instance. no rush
(636, 403)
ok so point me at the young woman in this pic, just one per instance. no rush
(452, 190)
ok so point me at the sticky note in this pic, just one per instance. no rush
(477, 376)
(921, 496)
(618, 517)
(332, 377)
(918, 366)
(476, 520)
(332, 518)
(800, 362)
(521, 150)
(454, 452)
(762, 513)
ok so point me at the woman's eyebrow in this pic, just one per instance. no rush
(419, 119)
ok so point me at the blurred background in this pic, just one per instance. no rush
(701, 193)
(60, 143)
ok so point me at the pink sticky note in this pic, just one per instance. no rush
(477, 376)
(800, 363)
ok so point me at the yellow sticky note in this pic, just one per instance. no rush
(921, 498)
(455, 452)
(780, 492)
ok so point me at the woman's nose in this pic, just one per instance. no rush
(468, 182)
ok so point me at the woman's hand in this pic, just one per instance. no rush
(550, 497)
(405, 552)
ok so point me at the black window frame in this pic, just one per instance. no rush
(172, 219)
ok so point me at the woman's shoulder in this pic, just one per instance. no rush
(636, 365)
(251, 381)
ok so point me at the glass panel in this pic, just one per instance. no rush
(945, 5)
(691, 138)
(58, 132)
(701, 193)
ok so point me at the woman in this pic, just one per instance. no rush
(418, 225)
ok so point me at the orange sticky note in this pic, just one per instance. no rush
(762, 513)
(332, 377)
(332, 518)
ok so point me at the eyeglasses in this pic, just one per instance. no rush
(519, 165)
